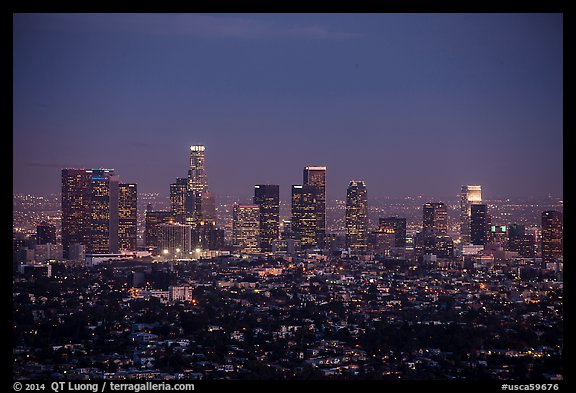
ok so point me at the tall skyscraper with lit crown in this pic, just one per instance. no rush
(469, 195)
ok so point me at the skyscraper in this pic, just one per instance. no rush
(90, 210)
(479, 224)
(304, 219)
(552, 236)
(127, 216)
(398, 225)
(208, 208)
(178, 193)
(197, 184)
(75, 208)
(197, 178)
(267, 196)
(316, 176)
(246, 228)
(151, 232)
(103, 222)
(469, 195)
(435, 217)
(356, 216)
(174, 239)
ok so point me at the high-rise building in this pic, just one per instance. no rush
(469, 195)
(90, 210)
(552, 236)
(178, 194)
(516, 233)
(127, 216)
(75, 208)
(356, 216)
(197, 178)
(208, 207)
(246, 228)
(479, 224)
(197, 184)
(398, 225)
(152, 220)
(45, 233)
(267, 196)
(174, 239)
(316, 176)
(304, 219)
(435, 216)
(103, 223)
(520, 241)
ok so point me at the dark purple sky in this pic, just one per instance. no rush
(411, 103)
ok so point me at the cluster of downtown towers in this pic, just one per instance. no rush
(99, 216)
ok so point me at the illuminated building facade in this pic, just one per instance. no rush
(153, 219)
(267, 196)
(178, 194)
(469, 195)
(75, 208)
(315, 176)
(174, 239)
(103, 227)
(127, 216)
(246, 228)
(197, 184)
(435, 216)
(304, 220)
(479, 222)
(356, 216)
(90, 210)
(399, 227)
(552, 236)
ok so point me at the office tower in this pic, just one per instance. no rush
(208, 207)
(304, 219)
(552, 236)
(245, 228)
(398, 225)
(435, 217)
(197, 184)
(127, 216)
(383, 239)
(174, 239)
(469, 195)
(516, 233)
(103, 225)
(478, 224)
(90, 210)
(356, 216)
(178, 193)
(520, 241)
(45, 233)
(267, 196)
(152, 220)
(75, 207)
(197, 178)
(316, 176)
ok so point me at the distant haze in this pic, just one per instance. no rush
(413, 104)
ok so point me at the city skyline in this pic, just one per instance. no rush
(432, 108)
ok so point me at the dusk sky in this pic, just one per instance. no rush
(413, 104)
